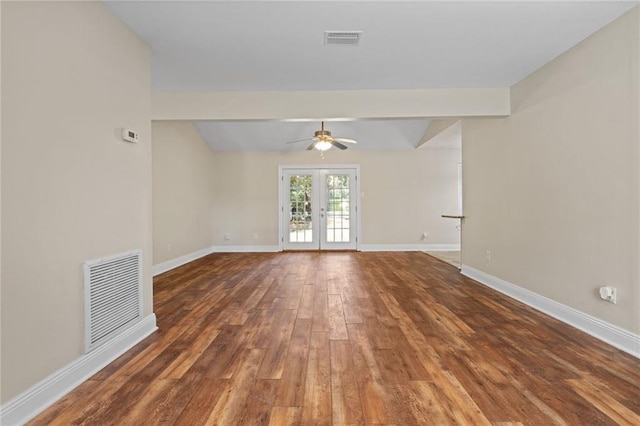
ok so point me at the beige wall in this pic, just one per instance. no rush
(553, 190)
(72, 190)
(405, 194)
(183, 195)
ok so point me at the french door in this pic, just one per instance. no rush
(318, 209)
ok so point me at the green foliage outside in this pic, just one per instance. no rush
(300, 195)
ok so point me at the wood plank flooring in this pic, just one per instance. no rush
(351, 339)
(452, 257)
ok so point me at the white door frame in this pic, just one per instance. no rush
(281, 210)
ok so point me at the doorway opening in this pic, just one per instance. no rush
(319, 207)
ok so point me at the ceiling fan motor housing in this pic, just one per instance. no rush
(322, 134)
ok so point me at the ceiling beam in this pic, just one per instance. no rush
(317, 105)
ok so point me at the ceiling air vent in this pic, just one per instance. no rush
(342, 38)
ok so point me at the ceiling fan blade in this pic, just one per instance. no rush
(337, 144)
(301, 140)
(310, 147)
(345, 140)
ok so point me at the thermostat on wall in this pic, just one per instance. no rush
(129, 135)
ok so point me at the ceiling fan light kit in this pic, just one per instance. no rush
(322, 145)
(322, 140)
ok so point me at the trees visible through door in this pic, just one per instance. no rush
(300, 207)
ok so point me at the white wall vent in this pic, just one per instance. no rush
(112, 296)
(342, 38)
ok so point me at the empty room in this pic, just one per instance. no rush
(320, 212)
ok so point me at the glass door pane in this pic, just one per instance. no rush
(338, 203)
(299, 218)
(338, 224)
(300, 208)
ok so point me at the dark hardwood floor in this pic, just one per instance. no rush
(350, 339)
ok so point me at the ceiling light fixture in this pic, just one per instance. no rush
(322, 145)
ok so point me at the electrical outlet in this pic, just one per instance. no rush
(255, 236)
(609, 294)
(226, 237)
(425, 234)
(488, 255)
(168, 248)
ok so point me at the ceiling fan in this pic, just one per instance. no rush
(322, 140)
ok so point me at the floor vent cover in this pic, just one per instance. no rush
(112, 296)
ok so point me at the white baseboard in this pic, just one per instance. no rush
(179, 261)
(245, 249)
(442, 247)
(602, 330)
(36, 399)
(409, 247)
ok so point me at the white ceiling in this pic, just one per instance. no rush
(268, 45)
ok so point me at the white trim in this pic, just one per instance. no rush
(279, 207)
(409, 247)
(319, 166)
(442, 247)
(245, 249)
(179, 261)
(34, 400)
(608, 333)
